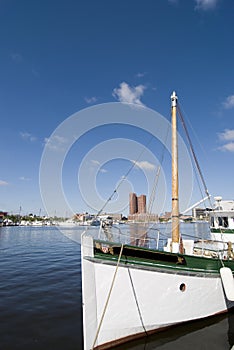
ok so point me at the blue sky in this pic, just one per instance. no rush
(61, 57)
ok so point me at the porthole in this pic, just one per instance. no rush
(182, 287)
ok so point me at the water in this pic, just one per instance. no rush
(40, 290)
(41, 304)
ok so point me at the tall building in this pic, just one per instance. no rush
(141, 204)
(132, 203)
(137, 205)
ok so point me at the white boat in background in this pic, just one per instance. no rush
(222, 220)
(67, 223)
(130, 291)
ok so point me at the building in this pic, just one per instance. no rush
(133, 203)
(166, 216)
(199, 213)
(137, 205)
(141, 204)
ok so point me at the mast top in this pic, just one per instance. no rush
(174, 99)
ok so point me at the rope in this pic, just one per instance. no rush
(138, 307)
(108, 297)
(193, 152)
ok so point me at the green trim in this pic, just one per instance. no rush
(221, 230)
(154, 259)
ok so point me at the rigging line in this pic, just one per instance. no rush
(199, 183)
(137, 304)
(108, 297)
(193, 152)
(195, 160)
(134, 163)
(190, 126)
(194, 165)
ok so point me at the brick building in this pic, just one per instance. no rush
(137, 205)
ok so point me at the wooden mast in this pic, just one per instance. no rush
(175, 190)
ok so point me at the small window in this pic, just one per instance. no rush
(220, 221)
(182, 287)
(225, 221)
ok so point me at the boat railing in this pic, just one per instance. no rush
(154, 238)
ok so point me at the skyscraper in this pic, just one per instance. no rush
(141, 204)
(132, 203)
(137, 205)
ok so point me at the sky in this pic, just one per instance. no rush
(80, 82)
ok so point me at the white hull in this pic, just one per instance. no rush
(222, 237)
(142, 300)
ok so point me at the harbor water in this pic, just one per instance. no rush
(41, 301)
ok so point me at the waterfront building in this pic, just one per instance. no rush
(137, 205)
(133, 203)
(141, 204)
(200, 213)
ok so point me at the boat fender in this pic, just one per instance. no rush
(228, 282)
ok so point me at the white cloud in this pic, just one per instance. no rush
(90, 100)
(55, 142)
(95, 162)
(227, 135)
(144, 165)
(3, 183)
(27, 136)
(229, 102)
(206, 4)
(59, 139)
(129, 94)
(102, 170)
(227, 147)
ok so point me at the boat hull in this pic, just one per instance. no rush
(224, 235)
(143, 299)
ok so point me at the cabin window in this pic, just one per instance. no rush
(182, 287)
(223, 221)
(212, 221)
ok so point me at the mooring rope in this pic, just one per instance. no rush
(137, 304)
(108, 297)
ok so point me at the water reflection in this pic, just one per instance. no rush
(139, 235)
(216, 333)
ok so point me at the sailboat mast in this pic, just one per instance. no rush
(175, 190)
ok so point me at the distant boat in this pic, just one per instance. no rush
(222, 220)
(131, 291)
(68, 223)
(95, 222)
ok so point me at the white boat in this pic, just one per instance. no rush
(67, 223)
(222, 220)
(131, 291)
